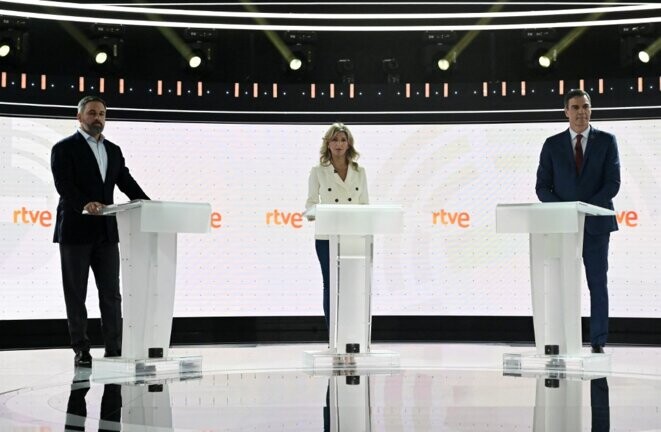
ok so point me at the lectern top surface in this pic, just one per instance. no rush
(570, 205)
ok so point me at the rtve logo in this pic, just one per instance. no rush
(460, 219)
(627, 218)
(44, 218)
(278, 217)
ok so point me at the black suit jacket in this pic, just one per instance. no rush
(597, 184)
(78, 181)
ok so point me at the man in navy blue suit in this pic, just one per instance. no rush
(86, 167)
(582, 164)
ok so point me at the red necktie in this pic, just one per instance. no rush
(579, 154)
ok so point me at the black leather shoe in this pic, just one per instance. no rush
(82, 359)
(597, 349)
(112, 353)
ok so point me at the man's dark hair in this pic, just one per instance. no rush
(87, 99)
(576, 93)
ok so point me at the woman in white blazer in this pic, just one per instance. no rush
(336, 180)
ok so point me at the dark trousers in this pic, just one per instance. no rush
(600, 405)
(103, 259)
(595, 260)
(323, 253)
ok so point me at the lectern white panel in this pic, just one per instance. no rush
(556, 249)
(148, 245)
(351, 230)
(333, 219)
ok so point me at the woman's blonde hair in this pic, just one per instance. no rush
(325, 154)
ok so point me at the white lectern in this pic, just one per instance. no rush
(556, 249)
(351, 230)
(148, 244)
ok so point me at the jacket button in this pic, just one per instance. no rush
(349, 199)
(356, 187)
(329, 189)
(337, 200)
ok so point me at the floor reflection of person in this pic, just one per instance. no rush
(599, 402)
(111, 404)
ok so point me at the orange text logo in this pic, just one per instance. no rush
(278, 217)
(216, 219)
(33, 217)
(443, 217)
(628, 218)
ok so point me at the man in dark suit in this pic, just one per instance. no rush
(86, 167)
(582, 164)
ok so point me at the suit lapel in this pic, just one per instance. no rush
(592, 143)
(568, 150)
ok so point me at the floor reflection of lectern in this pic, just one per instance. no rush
(556, 269)
(148, 245)
(349, 408)
(351, 230)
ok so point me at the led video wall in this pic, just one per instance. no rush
(259, 258)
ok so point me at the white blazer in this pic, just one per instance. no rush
(326, 187)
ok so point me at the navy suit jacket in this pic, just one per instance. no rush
(78, 181)
(597, 184)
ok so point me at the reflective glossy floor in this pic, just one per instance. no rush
(437, 387)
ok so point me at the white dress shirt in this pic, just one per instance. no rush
(99, 151)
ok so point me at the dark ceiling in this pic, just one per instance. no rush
(55, 47)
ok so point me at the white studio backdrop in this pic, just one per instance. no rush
(448, 178)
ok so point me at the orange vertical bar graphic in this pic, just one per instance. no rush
(601, 85)
(3, 79)
(236, 89)
(485, 89)
(313, 91)
(351, 90)
(200, 88)
(121, 86)
(640, 84)
(426, 90)
(561, 87)
(446, 89)
(275, 90)
(408, 90)
(332, 90)
(81, 84)
(102, 85)
(255, 90)
(43, 82)
(159, 87)
(523, 88)
(178, 88)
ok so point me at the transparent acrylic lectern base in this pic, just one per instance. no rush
(331, 359)
(538, 362)
(121, 367)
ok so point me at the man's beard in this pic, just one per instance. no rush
(95, 128)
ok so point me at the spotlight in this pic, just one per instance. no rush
(643, 56)
(194, 61)
(345, 68)
(544, 61)
(637, 45)
(443, 64)
(5, 49)
(295, 64)
(199, 49)
(13, 39)
(438, 53)
(101, 57)
(300, 58)
(391, 68)
(108, 45)
(298, 52)
(540, 49)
